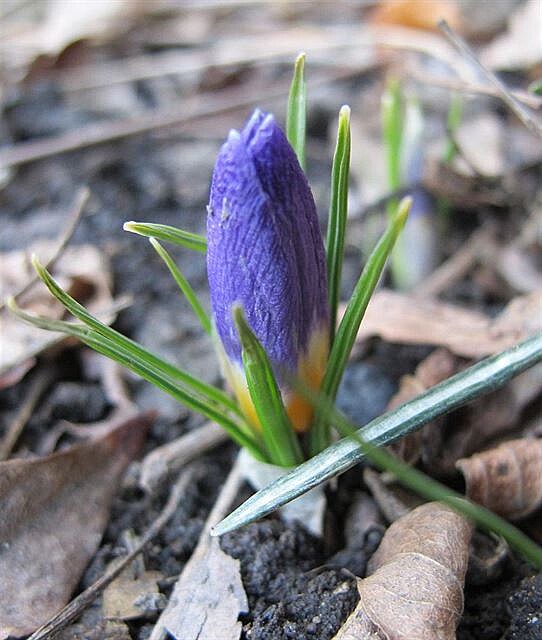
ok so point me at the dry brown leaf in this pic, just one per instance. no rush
(54, 510)
(415, 589)
(126, 596)
(506, 479)
(209, 596)
(398, 317)
(438, 366)
(83, 271)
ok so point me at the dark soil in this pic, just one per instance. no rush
(289, 596)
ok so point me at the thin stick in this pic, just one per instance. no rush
(25, 152)
(172, 456)
(37, 387)
(510, 100)
(455, 267)
(83, 600)
(218, 512)
(74, 216)
(456, 84)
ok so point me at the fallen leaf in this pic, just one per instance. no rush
(415, 589)
(126, 598)
(83, 271)
(478, 424)
(406, 319)
(209, 596)
(437, 367)
(506, 479)
(54, 511)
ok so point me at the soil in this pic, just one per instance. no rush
(297, 586)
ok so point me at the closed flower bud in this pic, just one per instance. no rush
(265, 252)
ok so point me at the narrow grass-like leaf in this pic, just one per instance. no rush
(238, 431)
(184, 286)
(169, 234)
(481, 378)
(426, 486)
(338, 211)
(212, 394)
(453, 121)
(348, 328)
(296, 119)
(392, 127)
(277, 431)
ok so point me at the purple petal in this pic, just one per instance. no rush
(264, 247)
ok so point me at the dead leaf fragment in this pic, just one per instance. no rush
(415, 589)
(210, 596)
(126, 597)
(83, 271)
(54, 510)
(407, 319)
(437, 367)
(506, 479)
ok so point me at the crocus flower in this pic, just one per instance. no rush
(265, 252)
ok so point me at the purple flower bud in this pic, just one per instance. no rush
(265, 251)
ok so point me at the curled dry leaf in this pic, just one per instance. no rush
(438, 366)
(415, 589)
(407, 319)
(83, 271)
(54, 511)
(506, 479)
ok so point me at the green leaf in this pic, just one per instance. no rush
(184, 286)
(278, 433)
(431, 489)
(296, 119)
(349, 326)
(169, 234)
(197, 386)
(338, 211)
(481, 378)
(238, 431)
(453, 121)
(392, 127)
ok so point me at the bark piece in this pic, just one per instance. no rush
(415, 589)
(406, 319)
(54, 511)
(506, 479)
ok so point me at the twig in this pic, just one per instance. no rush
(218, 512)
(74, 217)
(455, 267)
(25, 152)
(170, 457)
(83, 600)
(37, 387)
(456, 84)
(510, 100)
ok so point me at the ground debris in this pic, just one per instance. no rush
(407, 319)
(506, 479)
(54, 510)
(415, 589)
